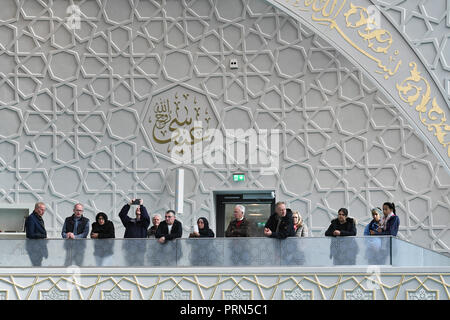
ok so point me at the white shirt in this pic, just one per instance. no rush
(170, 228)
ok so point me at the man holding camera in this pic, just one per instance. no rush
(135, 227)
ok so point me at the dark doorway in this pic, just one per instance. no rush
(258, 207)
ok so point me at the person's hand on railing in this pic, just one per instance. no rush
(267, 232)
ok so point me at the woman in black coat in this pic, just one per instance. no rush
(203, 229)
(203, 252)
(102, 228)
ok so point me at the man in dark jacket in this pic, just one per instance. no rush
(135, 227)
(170, 228)
(76, 226)
(239, 227)
(280, 224)
(34, 224)
(35, 229)
(342, 226)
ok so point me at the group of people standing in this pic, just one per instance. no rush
(384, 222)
(281, 224)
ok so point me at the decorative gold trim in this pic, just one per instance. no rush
(277, 280)
(380, 42)
(358, 285)
(423, 287)
(283, 292)
(174, 287)
(54, 286)
(240, 289)
(102, 292)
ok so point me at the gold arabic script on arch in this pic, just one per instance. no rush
(378, 45)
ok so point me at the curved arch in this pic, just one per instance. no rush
(369, 40)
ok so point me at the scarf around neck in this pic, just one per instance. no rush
(384, 220)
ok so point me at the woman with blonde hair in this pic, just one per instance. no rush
(301, 230)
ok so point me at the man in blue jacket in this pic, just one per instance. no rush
(135, 227)
(34, 224)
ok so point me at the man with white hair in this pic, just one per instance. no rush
(34, 224)
(35, 229)
(239, 227)
(156, 220)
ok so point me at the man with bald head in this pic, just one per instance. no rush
(239, 227)
(76, 226)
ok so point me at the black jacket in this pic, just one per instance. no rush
(69, 225)
(151, 231)
(234, 231)
(133, 228)
(104, 231)
(34, 227)
(163, 230)
(206, 232)
(347, 229)
(286, 228)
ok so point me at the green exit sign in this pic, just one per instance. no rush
(239, 177)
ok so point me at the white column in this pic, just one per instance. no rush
(179, 191)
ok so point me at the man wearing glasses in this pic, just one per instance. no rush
(169, 229)
(76, 226)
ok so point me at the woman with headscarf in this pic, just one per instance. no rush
(372, 227)
(203, 229)
(102, 228)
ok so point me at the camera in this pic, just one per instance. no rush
(136, 201)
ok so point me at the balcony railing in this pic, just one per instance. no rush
(218, 252)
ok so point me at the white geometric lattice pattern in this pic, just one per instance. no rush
(74, 114)
(55, 294)
(116, 294)
(422, 294)
(426, 24)
(237, 294)
(177, 294)
(359, 294)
